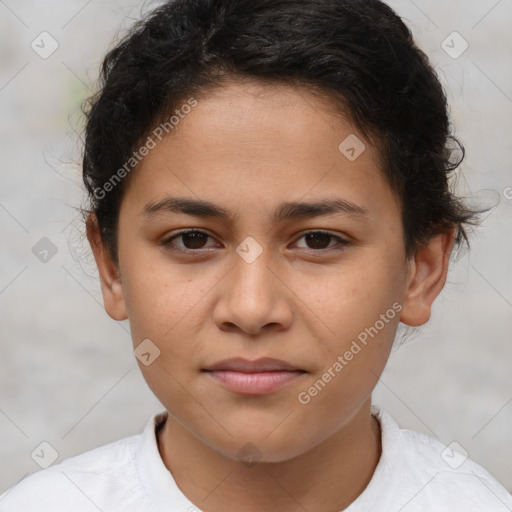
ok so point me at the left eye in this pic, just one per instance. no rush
(194, 240)
(319, 238)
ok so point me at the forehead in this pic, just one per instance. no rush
(249, 143)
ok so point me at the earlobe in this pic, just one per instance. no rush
(426, 278)
(111, 285)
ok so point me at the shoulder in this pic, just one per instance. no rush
(76, 481)
(439, 476)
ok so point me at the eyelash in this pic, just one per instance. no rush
(168, 245)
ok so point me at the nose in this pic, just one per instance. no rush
(253, 297)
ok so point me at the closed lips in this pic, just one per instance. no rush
(258, 366)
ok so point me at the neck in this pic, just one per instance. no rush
(326, 478)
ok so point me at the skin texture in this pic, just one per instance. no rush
(249, 147)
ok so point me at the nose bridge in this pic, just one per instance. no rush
(251, 273)
(252, 297)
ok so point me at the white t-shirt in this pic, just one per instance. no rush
(415, 473)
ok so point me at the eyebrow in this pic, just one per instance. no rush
(288, 210)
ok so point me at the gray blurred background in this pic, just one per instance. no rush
(67, 372)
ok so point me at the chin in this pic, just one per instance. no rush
(255, 446)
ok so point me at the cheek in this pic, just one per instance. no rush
(151, 286)
(168, 304)
(353, 297)
(352, 362)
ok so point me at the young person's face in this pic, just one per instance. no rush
(253, 287)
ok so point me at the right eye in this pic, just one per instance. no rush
(192, 241)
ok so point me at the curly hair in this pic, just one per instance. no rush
(358, 53)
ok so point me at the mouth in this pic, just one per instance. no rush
(258, 377)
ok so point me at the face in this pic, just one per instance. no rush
(297, 256)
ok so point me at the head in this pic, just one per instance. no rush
(307, 146)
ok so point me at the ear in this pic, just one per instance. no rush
(426, 278)
(111, 286)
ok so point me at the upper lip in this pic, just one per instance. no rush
(264, 364)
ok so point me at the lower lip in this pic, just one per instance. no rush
(259, 383)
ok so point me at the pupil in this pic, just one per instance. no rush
(318, 237)
(195, 238)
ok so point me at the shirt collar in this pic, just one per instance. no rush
(157, 481)
(161, 488)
